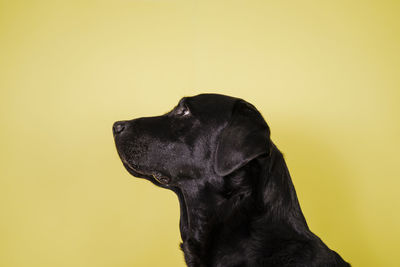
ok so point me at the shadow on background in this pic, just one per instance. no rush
(324, 183)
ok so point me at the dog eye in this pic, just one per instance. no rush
(182, 111)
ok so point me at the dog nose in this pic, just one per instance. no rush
(118, 127)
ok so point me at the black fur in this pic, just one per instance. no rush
(237, 201)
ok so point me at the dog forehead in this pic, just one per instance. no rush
(211, 104)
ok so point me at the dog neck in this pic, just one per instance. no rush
(279, 196)
(229, 208)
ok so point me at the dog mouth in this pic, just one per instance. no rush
(135, 169)
(154, 177)
(132, 168)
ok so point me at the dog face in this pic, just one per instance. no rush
(206, 135)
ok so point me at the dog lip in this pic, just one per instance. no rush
(133, 168)
(162, 179)
(140, 174)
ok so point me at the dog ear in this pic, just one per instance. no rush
(246, 137)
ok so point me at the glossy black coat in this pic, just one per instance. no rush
(237, 201)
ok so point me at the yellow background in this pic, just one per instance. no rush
(325, 75)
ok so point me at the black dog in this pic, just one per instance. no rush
(237, 201)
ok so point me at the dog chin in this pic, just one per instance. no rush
(139, 174)
(135, 172)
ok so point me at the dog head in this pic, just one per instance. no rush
(207, 135)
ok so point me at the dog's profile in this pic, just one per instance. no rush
(238, 206)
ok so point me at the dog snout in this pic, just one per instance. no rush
(118, 127)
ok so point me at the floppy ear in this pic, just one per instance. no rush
(244, 138)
